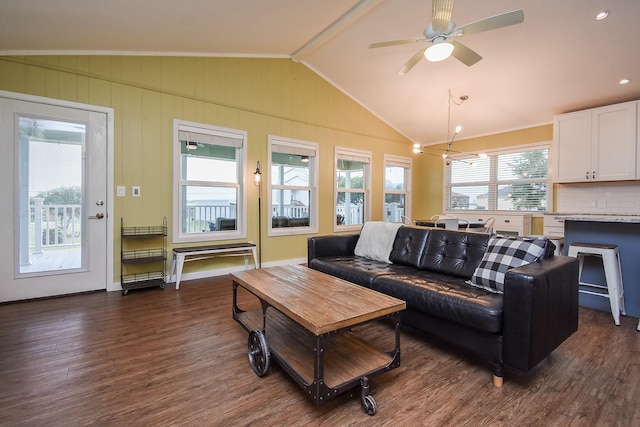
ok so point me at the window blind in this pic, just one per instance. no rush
(402, 162)
(507, 180)
(190, 136)
(353, 155)
(298, 150)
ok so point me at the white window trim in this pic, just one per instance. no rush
(354, 155)
(307, 148)
(241, 219)
(505, 150)
(407, 164)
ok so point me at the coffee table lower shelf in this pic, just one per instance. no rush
(323, 365)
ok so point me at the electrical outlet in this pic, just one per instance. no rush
(135, 191)
(120, 191)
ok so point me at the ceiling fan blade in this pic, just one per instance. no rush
(411, 62)
(396, 42)
(464, 54)
(442, 11)
(491, 23)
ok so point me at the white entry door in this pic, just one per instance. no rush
(54, 216)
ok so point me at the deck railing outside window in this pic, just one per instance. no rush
(54, 225)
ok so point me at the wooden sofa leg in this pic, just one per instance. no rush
(498, 373)
(498, 381)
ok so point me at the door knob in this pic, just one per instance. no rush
(97, 216)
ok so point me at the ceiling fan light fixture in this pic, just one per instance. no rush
(438, 51)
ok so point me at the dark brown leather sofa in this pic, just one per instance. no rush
(519, 328)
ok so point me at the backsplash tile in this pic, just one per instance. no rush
(603, 198)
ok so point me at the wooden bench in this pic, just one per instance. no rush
(195, 253)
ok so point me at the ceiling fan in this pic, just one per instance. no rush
(443, 28)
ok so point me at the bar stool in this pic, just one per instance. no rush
(558, 242)
(612, 273)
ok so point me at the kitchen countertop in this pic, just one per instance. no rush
(596, 217)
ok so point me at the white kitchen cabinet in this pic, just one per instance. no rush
(553, 227)
(593, 145)
(506, 224)
(571, 151)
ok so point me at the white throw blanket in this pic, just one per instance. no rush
(376, 240)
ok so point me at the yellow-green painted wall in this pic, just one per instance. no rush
(261, 96)
(428, 170)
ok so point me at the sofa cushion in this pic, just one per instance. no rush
(457, 253)
(355, 269)
(446, 297)
(502, 254)
(409, 246)
(376, 240)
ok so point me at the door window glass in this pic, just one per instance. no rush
(50, 194)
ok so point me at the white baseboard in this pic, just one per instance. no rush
(116, 286)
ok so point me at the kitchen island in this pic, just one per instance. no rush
(621, 230)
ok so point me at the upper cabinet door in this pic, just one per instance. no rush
(571, 153)
(596, 145)
(614, 142)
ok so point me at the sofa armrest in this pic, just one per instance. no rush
(540, 309)
(331, 245)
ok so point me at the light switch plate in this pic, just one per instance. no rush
(120, 191)
(135, 191)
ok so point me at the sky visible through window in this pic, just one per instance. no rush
(55, 153)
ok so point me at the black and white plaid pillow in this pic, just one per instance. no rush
(502, 254)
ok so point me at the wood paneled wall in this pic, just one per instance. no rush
(261, 96)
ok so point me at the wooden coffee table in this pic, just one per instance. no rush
(305, 323)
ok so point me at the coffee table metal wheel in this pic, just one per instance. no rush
(369, 405)
(259, 355)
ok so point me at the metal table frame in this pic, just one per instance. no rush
(318, 390)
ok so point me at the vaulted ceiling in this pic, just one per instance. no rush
(559, 59)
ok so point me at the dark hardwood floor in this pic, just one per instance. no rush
(166, 357)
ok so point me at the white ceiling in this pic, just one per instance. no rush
(558, 60)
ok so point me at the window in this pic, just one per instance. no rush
(352, 188)
(293, 199)
(208, 190)
(397, 188)
(506, 180)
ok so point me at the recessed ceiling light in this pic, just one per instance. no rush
(624, 81)
(601, 15)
